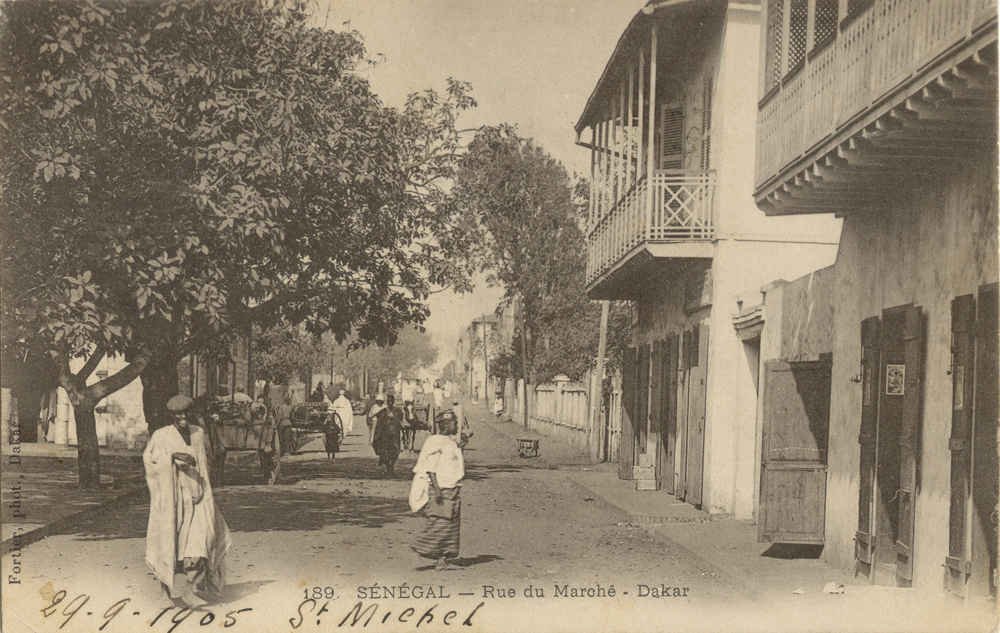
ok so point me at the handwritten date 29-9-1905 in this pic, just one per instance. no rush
(60, 608)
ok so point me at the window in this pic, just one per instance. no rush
(826, 22)
(706, 120)
(671, 136)
(772, 61)
(798, 21)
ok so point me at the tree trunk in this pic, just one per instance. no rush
(88, 450)
(160, 382)
(84, 398)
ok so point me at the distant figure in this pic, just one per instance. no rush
(438, 395)
(186, 537)
(435, 491)
(410, 425)
(332, 433)
(372, 412)
(387, 431)
(317, 394)
(498, 404)
(462, 422)
(283, 419)
(342, 405)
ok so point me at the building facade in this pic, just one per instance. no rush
(673, 228)
(476, 345)
(884, 113)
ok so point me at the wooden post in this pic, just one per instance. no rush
(650, 155)
(629, 176)
(593, 190)
(622, 138)
(597, 388)
(640, 158)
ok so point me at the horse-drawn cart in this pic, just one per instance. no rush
(238, 426)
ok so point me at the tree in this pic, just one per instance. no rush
(175, 172)
(514, 206)
(282, 353)
(411, 351)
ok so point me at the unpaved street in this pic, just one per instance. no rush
(343, 526)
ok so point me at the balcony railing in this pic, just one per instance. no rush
(873, 54)
(681, 211)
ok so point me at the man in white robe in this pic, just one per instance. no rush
(342, 405)
(186, 538)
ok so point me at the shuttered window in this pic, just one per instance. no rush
(706, 121)
(671, 136)
(826, 21)
(798, 21)
(773, 50)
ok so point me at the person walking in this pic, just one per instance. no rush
(372, 412)
(388, 428)
(187, 538)
(434, 492)
(342, 405)
(463, 430)
(410, 425)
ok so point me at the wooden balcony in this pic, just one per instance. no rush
(900, 90)
(676, 221)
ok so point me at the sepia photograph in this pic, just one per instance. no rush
(554, 316)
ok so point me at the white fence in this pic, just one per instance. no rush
(562, 410)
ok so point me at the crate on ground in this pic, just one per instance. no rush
(527, 447)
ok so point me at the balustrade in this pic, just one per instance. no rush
(872, 54)
(681, 211)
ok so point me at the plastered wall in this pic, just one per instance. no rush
(926, 246)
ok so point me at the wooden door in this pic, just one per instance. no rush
(641, 419)
(683, 401)
(870, 362)
(656, 406)
(696, 413)
(626, 441)
(958, 564)
(668, 438)
(985, 470)
(909, 438)
(897, 450)
(796, 424)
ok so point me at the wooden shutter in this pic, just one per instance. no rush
(697, 410)
(669, 437)
(909, 439)
(985, 471)
(641, 420)
(626, 455)
(671, 136)
(706, 120)
(864, 541)
(957, 564)
(656, 404)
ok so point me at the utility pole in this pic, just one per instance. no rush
(486, 367)
(524, 360)
(597, 389)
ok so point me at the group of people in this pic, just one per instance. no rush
(187, 538)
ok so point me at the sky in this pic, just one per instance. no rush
(531, 63)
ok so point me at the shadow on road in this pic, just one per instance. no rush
(789, 551)
(476, 560)
(232, 593)
(259, 509)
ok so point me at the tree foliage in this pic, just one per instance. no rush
(519, 214)
(413, 350)
(176, 171)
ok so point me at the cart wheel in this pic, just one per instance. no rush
(270, 461)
